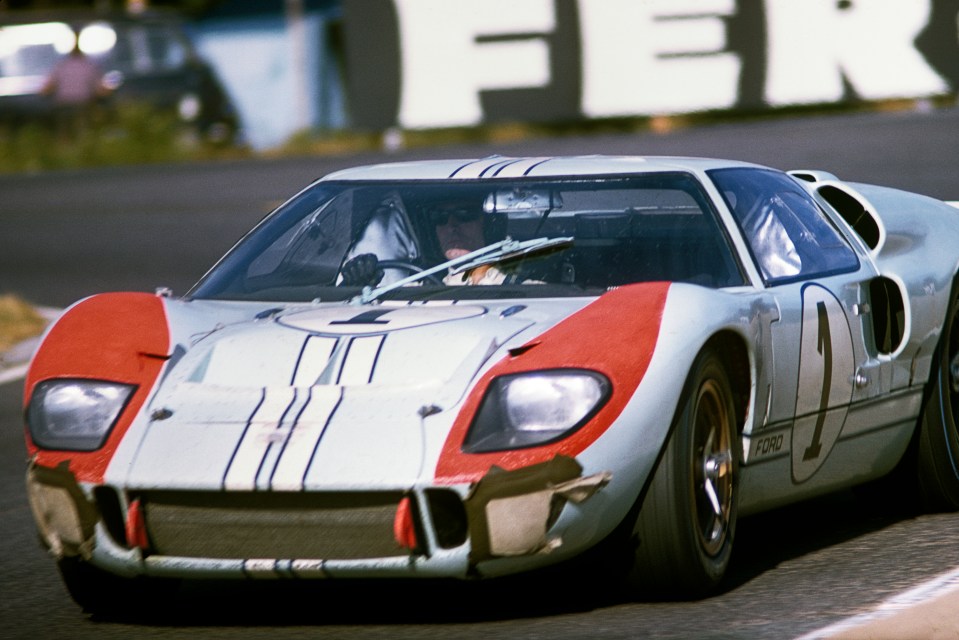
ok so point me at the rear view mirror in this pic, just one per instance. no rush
(531, 202)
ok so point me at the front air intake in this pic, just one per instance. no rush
(223, 525)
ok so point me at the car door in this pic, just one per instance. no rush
(819, 351)
(819, 285)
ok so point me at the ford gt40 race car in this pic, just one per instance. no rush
(481, 367)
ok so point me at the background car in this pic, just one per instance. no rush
(147, 58)
(472, 368)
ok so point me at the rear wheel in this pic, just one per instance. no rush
(683, 535)
(938, 441)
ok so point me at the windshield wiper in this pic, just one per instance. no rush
(507, 249)
(513, 250)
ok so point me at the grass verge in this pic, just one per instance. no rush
(18, 321)
(127, 135)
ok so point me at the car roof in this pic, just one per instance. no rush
(517, 167)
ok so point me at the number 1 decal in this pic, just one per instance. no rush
(826, 363)
(348, 320)
(825, 350)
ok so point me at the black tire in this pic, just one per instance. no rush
(99, 592)
(937, 454)
(683, 536)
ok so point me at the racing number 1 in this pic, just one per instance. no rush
(824, 345)
(826, 361)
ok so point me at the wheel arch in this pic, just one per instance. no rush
(953, 293)
(732, 349)
(734, 352)
(611, 555)
(915, 482)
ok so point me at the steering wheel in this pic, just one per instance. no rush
(408, 267)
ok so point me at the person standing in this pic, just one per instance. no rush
(75, 84)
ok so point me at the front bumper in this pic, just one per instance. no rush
(508, 521)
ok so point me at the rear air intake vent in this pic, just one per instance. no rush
(854, 212)
(888, 314)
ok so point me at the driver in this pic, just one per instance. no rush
(461, 229)
(386, 236)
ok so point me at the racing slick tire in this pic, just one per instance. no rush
(938, 437)
(683, 534)
(99, 592)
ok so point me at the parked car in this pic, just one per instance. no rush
(472, 368)
(146, 58)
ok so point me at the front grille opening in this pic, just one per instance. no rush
(108, 502)
(225, 525)
(449, 517)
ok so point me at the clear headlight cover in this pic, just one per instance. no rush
(75, 415)
(530, 409)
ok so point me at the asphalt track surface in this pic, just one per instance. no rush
(795, 571)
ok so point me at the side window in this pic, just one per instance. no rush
(789, 236)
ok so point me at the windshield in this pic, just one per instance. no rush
(432, 240)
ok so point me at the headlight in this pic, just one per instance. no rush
(75, 415)
(530, 409)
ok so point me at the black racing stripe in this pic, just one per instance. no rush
(299, 359)
(346, 357)
(286, 440)
(296, 422)
(507, 164)
(266, 452)
(376, 358)
(460, 168)
(500, 165)
(540, 163)
(239, 442)
(341, 365)
(319, 438)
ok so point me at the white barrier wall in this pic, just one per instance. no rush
(450, 63)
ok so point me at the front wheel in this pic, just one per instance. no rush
(683, 535)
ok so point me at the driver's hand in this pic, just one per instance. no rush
(362, 270)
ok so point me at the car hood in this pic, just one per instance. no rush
(322, 397)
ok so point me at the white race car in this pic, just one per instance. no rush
(476, 368)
